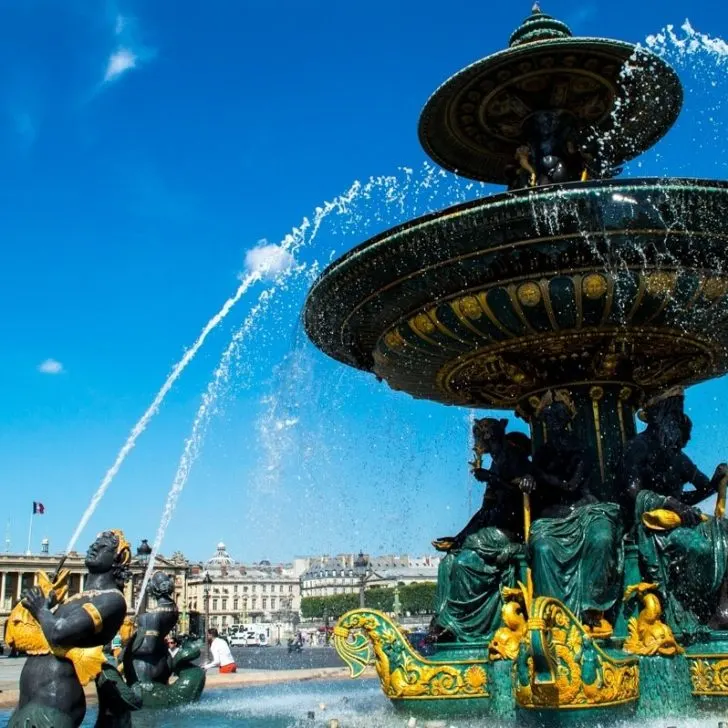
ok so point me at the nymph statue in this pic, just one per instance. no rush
(480, 559)
(575, 547)
(682, 550)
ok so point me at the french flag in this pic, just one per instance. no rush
(38, 508)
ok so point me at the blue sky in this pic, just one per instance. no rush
(145, 147)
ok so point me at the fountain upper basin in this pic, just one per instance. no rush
(487, 302)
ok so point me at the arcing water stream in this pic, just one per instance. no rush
(407, 195)
(153, 408)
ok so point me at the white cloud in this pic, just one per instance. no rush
(50, 366)
(120, 61)
(269, 260)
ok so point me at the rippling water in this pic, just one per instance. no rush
(356, 704)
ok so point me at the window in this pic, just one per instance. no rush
(235, 589)
(272, 602)
(252, 588)
(290, 588)
(245, 590)
(254, 602)
(264, 588)
(264, 602)
(214, 605)
(224, 605)
(235, 604)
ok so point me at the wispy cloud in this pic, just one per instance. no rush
(129, 53)
(50, 366)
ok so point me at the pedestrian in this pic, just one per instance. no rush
(220, 653)
(172, 645)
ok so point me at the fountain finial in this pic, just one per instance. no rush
(539, 26)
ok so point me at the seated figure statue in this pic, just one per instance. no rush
(575, 546)
(146, 658)
(64, 640)
(682, 550)
(480, 559)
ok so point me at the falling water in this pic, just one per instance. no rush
(153, 408)
(304, 234)
(193, 442)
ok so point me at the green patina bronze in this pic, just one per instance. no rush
(587, 586)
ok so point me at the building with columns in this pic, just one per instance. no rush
(245, 593)
(19, 572)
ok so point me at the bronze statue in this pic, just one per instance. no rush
(147, 661)
(575, 545)
(480, 559)
(64, 636)
(147, 658)
(681, 549)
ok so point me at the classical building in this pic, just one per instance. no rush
(240, 593)
(19, 572)
(348, 573)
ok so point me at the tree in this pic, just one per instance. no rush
(418, 598)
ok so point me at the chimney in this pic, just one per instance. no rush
(44, 544)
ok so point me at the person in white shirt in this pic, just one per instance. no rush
(219, 653)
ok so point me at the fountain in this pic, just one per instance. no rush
(588, 586)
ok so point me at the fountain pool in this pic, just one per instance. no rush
(355, 704)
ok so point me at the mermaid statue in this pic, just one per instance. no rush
(63, 637)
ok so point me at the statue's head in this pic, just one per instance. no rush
(665, 416)
(161, 585)
(556, 410)
(110, 552)
(486, 432)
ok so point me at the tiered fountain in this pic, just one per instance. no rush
(573, 288)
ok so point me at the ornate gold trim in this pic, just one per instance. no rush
(93, 612)
(596, 393)
(709, 674)
(363, 636)
(560, 667)
(648, 634)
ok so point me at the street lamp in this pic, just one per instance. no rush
(206, 584)
(361, 568)
(143, 552)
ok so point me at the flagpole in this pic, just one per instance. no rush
(30, 533)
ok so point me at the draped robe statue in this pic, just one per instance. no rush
(683, 551)
(575, 546)
(481, 558)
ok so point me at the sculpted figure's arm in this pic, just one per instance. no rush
(704, 486)
(80, 626)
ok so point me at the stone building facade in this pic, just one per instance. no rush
(259, 593)
(348, 573)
